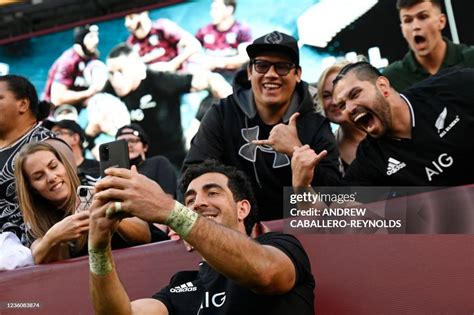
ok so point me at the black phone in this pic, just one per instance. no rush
(113, 154)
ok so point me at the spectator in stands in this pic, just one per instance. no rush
(153, 99)
(162, 45)
(69, 131)
(20, 113)
(46, 188)
(422, 22)
(413, 139)
(66, 82)
(217, 218)
(224, 40)
(257, 128)
(157, 168)
(347, 135)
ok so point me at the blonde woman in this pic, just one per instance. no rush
(46, 189)
(347, 135)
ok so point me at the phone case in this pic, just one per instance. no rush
(85, 194)
(113, 154)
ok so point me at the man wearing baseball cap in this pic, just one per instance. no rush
(257, 128)
(74, 136)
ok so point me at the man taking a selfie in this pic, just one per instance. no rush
(269, 275)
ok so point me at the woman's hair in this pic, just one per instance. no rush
(24, 89)
(335, 68)
(40, 214)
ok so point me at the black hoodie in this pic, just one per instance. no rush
(228, 128)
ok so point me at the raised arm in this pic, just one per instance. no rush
(60, 94)
(108, 293)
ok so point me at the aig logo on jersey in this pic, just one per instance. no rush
(212, 301)
(394, 166)
(444, 161)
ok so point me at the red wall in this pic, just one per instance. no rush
(355, 274)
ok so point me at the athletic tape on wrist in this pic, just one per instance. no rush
(181, 219)
(99, 262)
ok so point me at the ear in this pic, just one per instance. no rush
(145, 148)
(441, 22)
(23, 105)
(383, 85)
(249, 71)
(243, 209)
(299, 71)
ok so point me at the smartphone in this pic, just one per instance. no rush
(85, 194)
(113, 154)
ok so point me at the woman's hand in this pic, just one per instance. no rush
(70, 228)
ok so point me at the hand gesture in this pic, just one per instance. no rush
(283, 138)
(303, 164)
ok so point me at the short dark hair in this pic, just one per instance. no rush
(238, 184)
(121, 49)
(231, 3)
(404, 4)
(364, 71)
(22, 88)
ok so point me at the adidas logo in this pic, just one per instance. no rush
(186, 287)
(394, 166)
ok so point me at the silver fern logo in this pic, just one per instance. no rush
(441, 118)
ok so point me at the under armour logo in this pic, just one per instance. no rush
(273, 38)
(249, 150)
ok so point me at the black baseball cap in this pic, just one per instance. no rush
(275, 42)
(66, 124)
(81, 31)
(137, 131)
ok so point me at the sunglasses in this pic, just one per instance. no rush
(281, 68)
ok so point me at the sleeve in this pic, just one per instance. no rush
(175, 83)
(327, 172)
(292, 247)
(164, 296)
(208, 143)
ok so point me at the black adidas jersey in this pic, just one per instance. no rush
(208, 292)
(441, 149)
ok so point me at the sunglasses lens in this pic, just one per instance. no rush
(262, 66)
(282, 68)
